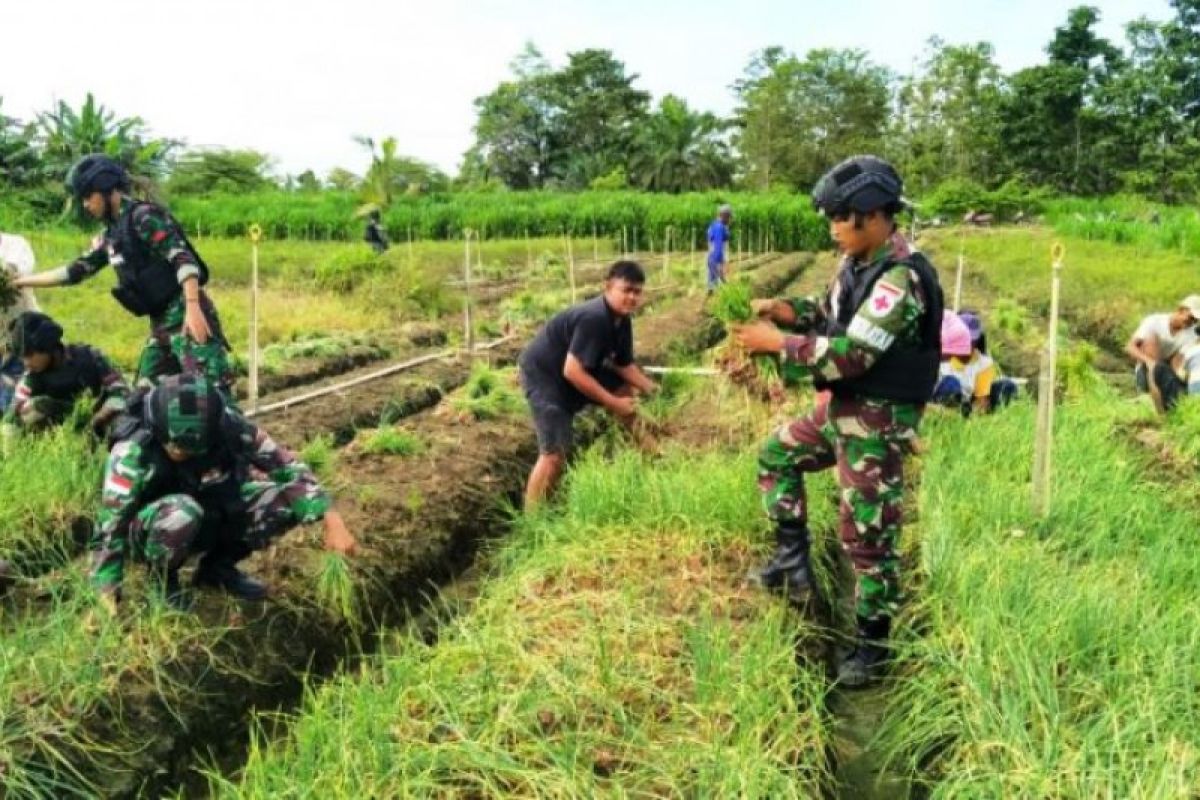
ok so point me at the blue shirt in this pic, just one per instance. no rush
(718, 235)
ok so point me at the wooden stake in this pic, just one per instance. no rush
(595, 244)
(958, 279)
(410, 247)
(255, 235)
(666, 253)
(624, 242)
(1043, 451)
(571, 267)
(528, 255)
(468, 322)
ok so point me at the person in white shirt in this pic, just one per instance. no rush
(16, 258)
(1157, 348)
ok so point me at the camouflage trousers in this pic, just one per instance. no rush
(170, 351)
(865, 440)
(166, 530)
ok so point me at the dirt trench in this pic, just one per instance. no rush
(419, 521)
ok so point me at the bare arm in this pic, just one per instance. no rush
(1143, 350)
(633, 375)
(581, 379)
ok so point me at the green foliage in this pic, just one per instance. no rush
(1060, 642)
(391, 441)
(797, 117)
(320, 453)
(606, 655)
(330, 214)
(202, 172)
(488, 394)
(731, 302)
(954, 197)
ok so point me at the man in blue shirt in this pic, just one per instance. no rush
(718, 237)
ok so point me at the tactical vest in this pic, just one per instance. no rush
(146, 283)
(81, 371)
(906, 372)
(214, 480)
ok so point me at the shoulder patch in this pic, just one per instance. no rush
(884, 297)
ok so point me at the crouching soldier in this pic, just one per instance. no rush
(57, 375)
(873, 342)
(179, 479)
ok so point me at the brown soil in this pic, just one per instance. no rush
(419, 520)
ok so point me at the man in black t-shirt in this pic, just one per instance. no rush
(583, 355)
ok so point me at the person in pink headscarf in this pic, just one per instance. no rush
(969, 378)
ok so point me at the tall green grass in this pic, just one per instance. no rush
(643, 216)
(1059, 658)
(614, 651)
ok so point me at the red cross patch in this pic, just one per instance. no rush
(884, 298)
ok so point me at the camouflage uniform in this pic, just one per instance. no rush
(169, 350)
(47, 398)
(864, 437)
(160, 511)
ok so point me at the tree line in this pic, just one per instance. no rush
(1096, 118)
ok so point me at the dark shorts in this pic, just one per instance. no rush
(554, 420)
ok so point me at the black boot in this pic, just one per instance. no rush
(788, 570)
(219, 568)
(166, 581)
(870, 655)
(6, 575)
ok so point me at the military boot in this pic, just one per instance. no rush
(788, 570)
(166, 581)
(870, 655)
(6, 575)
(218, 568)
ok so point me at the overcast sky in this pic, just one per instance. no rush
(297, 79)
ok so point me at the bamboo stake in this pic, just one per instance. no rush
(528, 254)
(255, 235)
(571, 267)
(624, 242)
(468, 323)
(1043, 452)
(595, 244)
(958, 281)
(410, 247)
(314, 394)
(667, 253)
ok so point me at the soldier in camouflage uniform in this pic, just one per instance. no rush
(57, 375)
(188, 473)
(159, 275)
(872, 342)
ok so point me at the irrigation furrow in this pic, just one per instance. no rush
(419, 521)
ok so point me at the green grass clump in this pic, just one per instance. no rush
(730, 303)
(392, 441)
(613, 652)
(1058, 656)
(320, 453)
(488, 394)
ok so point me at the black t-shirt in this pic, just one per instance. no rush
(593, 334)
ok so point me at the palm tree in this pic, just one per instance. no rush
(391, 174)
(67, 135)
(679, 149)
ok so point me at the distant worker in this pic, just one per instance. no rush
(57, 375)
(718, 248)
(1157, 349)
(872, 343)
(159, 276)
(583, 355)
(374, 233)
(969, 378)
(16, 259)
(189, 474)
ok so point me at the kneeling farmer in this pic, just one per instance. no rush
(583, 355)
(873, 341)
(57, 375)
(180, 479)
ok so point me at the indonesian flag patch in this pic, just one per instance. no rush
(884, 298)
(118, 485)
